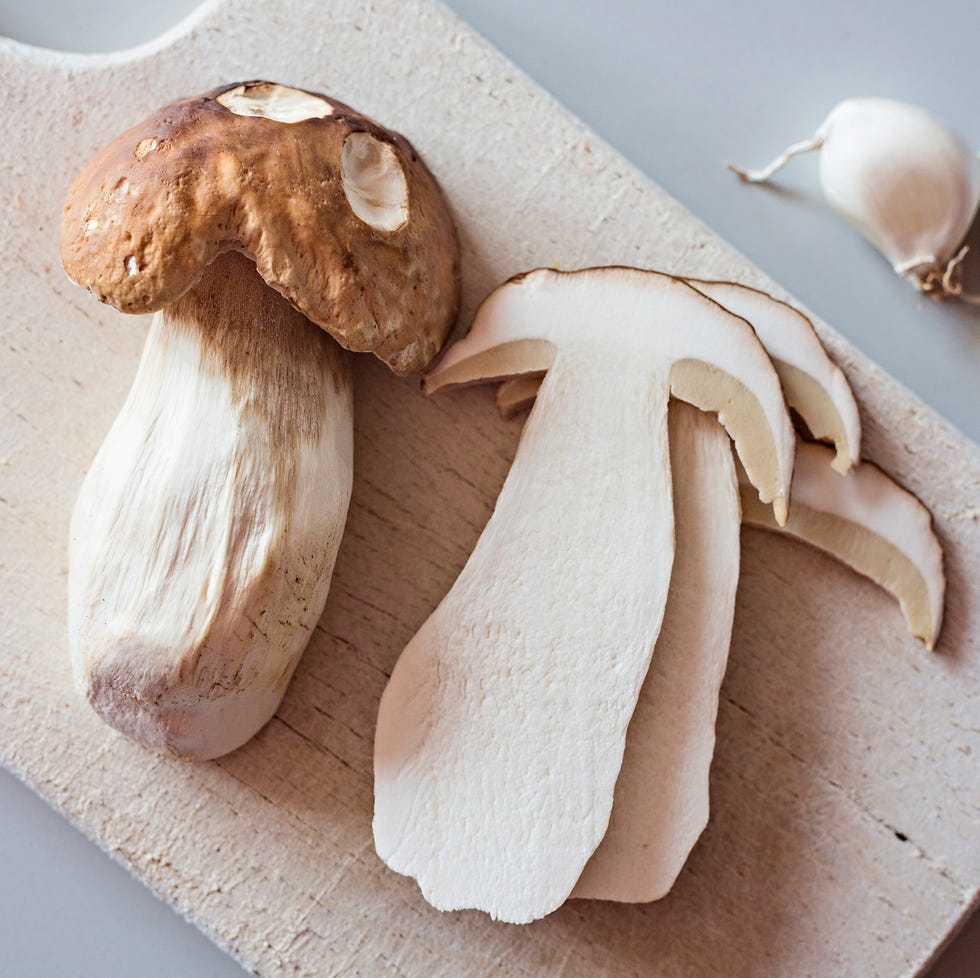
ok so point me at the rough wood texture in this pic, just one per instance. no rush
(844, 834)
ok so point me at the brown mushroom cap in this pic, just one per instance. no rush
(196, 179)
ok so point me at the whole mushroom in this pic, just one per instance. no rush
(255, 219)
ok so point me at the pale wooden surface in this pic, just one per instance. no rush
(836, 730)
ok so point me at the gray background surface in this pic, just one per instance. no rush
(678, 89)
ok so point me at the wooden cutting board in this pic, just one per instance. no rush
(844, 837)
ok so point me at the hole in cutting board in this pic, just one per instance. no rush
(85, 28)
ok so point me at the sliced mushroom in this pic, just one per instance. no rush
(661, 804)
(814, 386)
(205, 533)
(501, 733)
(660, 807)
(870, 523)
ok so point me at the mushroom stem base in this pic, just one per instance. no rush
(205, 533)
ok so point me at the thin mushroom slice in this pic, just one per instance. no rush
(814, 386)
(501, 732)
(870, 523)
(661, 803)
(660, 806)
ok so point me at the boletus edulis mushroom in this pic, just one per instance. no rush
(257, 221)
(501, 733)
(856, 513)
(661, 804)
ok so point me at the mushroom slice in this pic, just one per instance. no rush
(662, 800)
(870, 523)
(814, 386)
(661, 804)
(205, 533)
(501, 732)
(660, 807)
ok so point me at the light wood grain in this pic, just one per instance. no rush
(844, 835)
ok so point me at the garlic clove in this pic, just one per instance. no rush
(903, 179)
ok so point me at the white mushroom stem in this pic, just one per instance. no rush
(205, 534)
(870, 523)
(501, 733)
(661, 799)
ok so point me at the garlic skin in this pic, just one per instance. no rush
(902, 178)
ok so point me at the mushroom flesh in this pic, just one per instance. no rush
(866, 520)
(501, 732)
(661, 803)
(869, 522)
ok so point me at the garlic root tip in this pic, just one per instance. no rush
(761, 176)
(943, 280)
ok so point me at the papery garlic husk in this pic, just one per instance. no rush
(904, 179)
